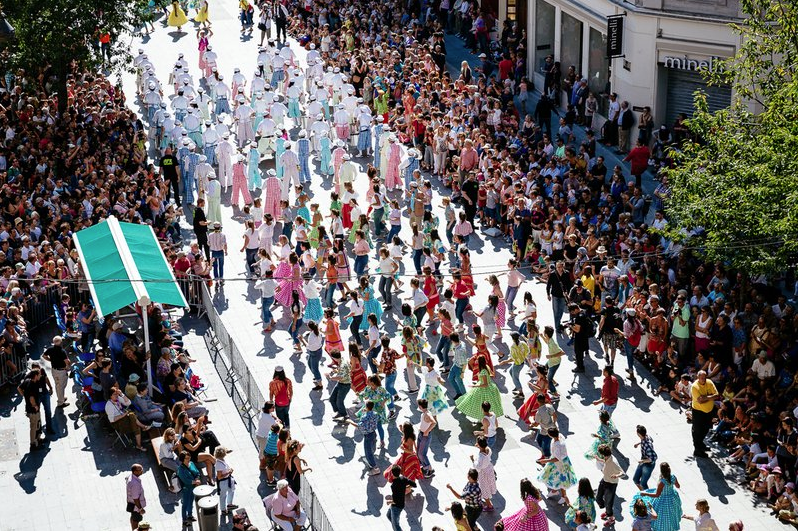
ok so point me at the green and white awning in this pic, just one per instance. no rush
(124, 264)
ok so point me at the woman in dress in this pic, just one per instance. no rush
(291, 282)
(376, 393)
(177, 17)
(558, 473)
(408, 460)
(357, 372)
(531, 517)
(488, 316)
(203, 40)
(470, 404)
(433, 392)
(412, 347)
(602, 436)
(585, 502)
(332, 332)
(371, 304)
(430, 289)
(664, 500)
(313, 310)
(487, 476)
(539, 387)
(500, 314)
(202, 14)
(480, 343)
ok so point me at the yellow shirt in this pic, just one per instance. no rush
(590, 284)
(697, 390)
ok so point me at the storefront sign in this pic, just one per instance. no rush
(710, 64)
(615, 37)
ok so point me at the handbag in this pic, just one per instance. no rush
(174, 484)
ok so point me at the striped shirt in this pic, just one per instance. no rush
(217, 241)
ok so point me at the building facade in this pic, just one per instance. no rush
(665, 42)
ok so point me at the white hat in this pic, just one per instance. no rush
(241, 157)
(186, 141)
(209, 48)
(271, 173)
(226, 135)
(392, 138)
(240, 99)
(236, 70)
(200, 90)
(380, 118)
(347, 156)
(207, 123)
(221, 77)
(253, 144)
(339, 143)
(325, 134)
(302, 134)
(180, 56)
(203, 158)
(312, 46)
(320, 116)
(287, 144)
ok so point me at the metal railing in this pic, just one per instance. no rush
(247, 397)
(38, 309)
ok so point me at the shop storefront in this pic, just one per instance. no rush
(681, 77)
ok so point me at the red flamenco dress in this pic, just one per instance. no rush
(408, 462)
(527, 411)
(358, 376)
(480, 343)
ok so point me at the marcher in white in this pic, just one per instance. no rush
(224, 156)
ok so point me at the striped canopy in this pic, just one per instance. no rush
(124, 264)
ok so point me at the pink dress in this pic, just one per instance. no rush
(203, 45)
(240, 185)
(289, 284)
(527, 519)
(501, 308)
(338, 159)
(272, 191)
(392, 180)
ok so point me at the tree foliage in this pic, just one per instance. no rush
(62, 34)
(737, 180)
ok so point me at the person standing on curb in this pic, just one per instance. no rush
(136, 502)
(29, 389)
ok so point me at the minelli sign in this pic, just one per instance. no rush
(684, 62)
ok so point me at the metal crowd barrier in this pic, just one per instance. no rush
(191, 286)
(39, 310)
(247, 397)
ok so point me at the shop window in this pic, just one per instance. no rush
(544, 33)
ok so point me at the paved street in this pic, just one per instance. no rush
(80, 486)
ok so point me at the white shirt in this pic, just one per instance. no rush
(265, 423)
(266, 287)
(356, 307)
(763, 370)
(315, 341)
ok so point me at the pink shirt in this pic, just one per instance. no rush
(284, 505)
(361, 247)
(468, 158)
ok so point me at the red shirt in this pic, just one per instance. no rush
(505, 67)
(461, 290)
(639, 158)
(282, 392)
(609, 391)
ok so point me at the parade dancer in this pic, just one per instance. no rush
(202, 175)
(158, 119)
(259, 109)
(384, 148)
(323, 96)
(210, 139)
(209, 57)
(409, 165)
(240, 182)
(192, 159)
(167, 127)
(279, 149)
(290, 163)
(243, 119)
(378, 133)
(214, 203)
(272, 192)
(222, 92)
(224, 153)
(278, 71)
(202, 100)
(312, 113)
(338, 159)
(253, 172)
(152, 99)
(303, 151)
(393, 159)
(364, 136)
(318, 127)
(341, 120)
(193, 125)
(293, 93)
(325, 166)
(266, 144)
(238, 81)
(180, 106)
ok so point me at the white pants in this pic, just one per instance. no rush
(60, 377)
(286, 526)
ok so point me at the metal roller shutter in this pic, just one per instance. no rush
(681, 86)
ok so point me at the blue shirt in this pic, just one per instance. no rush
(271, 444)
(368, 422)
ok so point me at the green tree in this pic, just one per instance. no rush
(738, 178)
(62, 36)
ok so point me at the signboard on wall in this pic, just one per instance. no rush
(615, 36)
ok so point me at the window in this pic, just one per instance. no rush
(598, 67)
(570, 43)
(544, 33)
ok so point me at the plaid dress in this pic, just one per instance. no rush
(668, 506)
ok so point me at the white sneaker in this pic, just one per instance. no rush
(374, 471)
(552, 494)
(561, 501)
